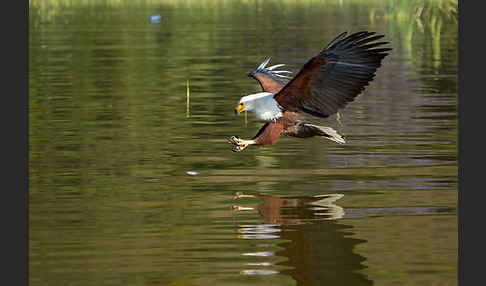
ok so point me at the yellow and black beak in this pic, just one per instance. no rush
(239, 108)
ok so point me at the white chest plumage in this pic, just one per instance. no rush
(264, 106)
(267, 109)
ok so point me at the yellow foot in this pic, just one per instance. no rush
(239, 144)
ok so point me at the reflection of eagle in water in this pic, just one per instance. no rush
(325, 84)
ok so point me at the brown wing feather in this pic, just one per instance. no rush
(267, 83)
(269, 80)
(299, 88)
(334, 77)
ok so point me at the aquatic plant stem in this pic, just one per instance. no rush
(188, 94)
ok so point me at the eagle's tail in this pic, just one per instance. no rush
(329, 133)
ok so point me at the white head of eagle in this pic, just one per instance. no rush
(263, 104)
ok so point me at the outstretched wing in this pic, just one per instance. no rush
(334, 77)
(270, 80)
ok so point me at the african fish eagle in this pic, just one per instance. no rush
(324, 85)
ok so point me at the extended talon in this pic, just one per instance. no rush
(237, 148)
(233, 140)
(238, 144)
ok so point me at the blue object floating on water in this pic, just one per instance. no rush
(154, 19)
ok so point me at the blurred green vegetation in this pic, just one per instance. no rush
(407, 18)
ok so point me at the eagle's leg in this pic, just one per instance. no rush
(240, 144)
(267, 135)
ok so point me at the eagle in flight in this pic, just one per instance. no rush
(325, 84)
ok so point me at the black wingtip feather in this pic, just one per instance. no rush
(354, 60)
(358, 41)
(369, 39)
(349, 65)
(338, 38)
